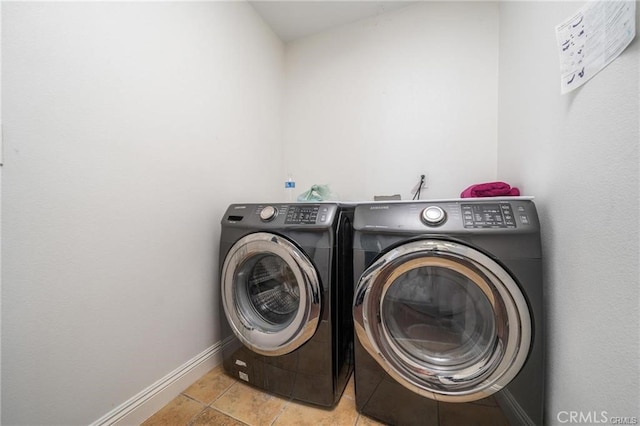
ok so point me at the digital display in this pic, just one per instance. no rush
(297, 215)
(495, 215)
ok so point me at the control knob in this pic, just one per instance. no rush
(268, 213)
(433, 216)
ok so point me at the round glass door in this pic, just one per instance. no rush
(270, 294)
(443, 319)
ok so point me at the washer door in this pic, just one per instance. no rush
(270, 294)
(443, 319)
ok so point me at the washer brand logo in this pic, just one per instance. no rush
(379, 207)
(239, 207)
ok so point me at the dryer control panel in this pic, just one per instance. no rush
(493, 215)
(513, 215)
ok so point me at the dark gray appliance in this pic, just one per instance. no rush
(448, 312)
(286, 294)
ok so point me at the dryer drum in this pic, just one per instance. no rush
(443, 319)
(438, 316)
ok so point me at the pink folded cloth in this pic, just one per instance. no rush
(490, 189)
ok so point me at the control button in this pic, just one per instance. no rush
(268, 213)
(524, 219)
(433, 216)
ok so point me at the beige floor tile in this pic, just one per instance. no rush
(343, 414)
(209, 416)
(350, 390)
(367, 421)
(177, 412)
(249, 404)
(210, 386)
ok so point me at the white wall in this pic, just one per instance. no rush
(578, 153)
(120, 120)
(370, 106)
(128, 129)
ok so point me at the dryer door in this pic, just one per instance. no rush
(443, 319)
(270, 294)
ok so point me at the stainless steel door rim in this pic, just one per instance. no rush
(262, 322)
(484, 358)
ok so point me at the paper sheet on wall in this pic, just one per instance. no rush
(589, 40)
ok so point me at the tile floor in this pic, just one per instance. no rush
(217, 399)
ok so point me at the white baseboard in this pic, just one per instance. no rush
(143, 405)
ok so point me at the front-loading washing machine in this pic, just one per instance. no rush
(286, 295)
(448, 312)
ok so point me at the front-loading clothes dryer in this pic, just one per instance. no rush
(448, 312)
(286, 295)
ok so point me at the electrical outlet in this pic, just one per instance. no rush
(425, 181)
(421, 180)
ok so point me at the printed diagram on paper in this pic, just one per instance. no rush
(589, 40)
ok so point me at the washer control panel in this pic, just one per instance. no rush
(270, 216)
(489, 215)
(280, 215)
(302, 215)
(294, 215)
